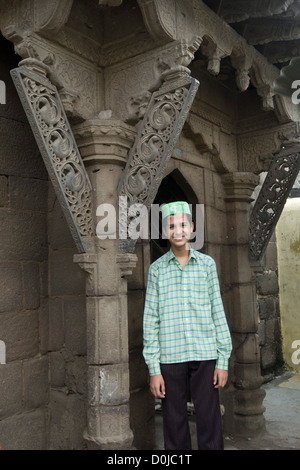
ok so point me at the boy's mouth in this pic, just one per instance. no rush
(179, 237)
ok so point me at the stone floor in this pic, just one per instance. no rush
(282, 403)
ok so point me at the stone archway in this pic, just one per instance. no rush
(173, 187)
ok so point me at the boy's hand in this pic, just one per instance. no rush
(157, 386)
(220, 378)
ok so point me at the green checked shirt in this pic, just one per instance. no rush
(184, 318)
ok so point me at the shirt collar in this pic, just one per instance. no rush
(170, 255)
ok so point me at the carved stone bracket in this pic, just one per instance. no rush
(157, 136)
(57, 145)
(127, 262)
(271, 199)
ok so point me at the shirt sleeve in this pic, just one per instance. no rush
(223, 338)
(151, 350)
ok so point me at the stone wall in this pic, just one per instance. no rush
(23, 275)
(42, 306)
(269, 314)
(141, 401)
(67, 336)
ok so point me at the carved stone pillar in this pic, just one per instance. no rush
(247, 380)
(104, 146)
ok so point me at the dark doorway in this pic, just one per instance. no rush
(173, 187)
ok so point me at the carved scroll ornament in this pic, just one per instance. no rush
(58, 148)
(155, 141)
(271, 199)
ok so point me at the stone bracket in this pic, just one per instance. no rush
(53, 134)
(154, 143)
(267, 209)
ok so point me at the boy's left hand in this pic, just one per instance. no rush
(220, 378)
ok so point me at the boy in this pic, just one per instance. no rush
(186, 336)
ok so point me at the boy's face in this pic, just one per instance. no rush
(178, 229)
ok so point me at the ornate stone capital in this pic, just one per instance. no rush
(239, 186)
(256, 148)
(127, 262)
(104, 140)
(181, 55)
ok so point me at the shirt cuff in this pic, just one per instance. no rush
(154, 369)
(222, 363)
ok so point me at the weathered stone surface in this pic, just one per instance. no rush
(31, 280)
(112, 431)
(59, 235)
(57, 370)
(23, 235)
(44, 326)
(68, 421)
(246, 348)
(65, 277)
(28, 193)
(247, 377)
(11, 391)
(136, 301)
(20, 332)
(56, 324)
(262, 332)
(139, 376)
(75, 325)
(267, 283)
(141, 412)
(11, 284)
(107, 332)
(35, 377)
(26, 431)
(110, 385)
(24, 157)
(76, 375)
(268, 357)
(267, 307)
(4, 196)
(244, 309)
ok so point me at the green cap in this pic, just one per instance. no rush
(178, 207)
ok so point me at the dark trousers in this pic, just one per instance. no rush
(196, 377)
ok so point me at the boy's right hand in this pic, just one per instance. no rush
(157, 386)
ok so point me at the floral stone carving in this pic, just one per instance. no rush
(58, 148)
(155, 141)
(267, 209)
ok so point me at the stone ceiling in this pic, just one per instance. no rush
(271, 26)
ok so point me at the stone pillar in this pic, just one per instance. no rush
(246, 376)
(104, 147)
